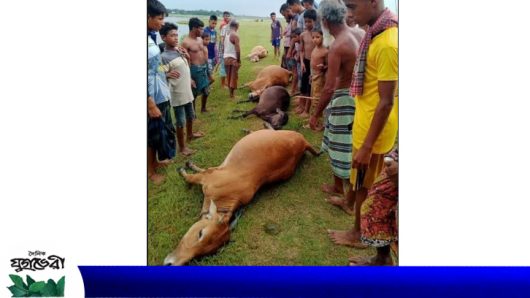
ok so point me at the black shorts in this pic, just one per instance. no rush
(305, 88)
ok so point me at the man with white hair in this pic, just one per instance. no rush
(336, 100)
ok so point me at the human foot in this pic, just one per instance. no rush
(304, 115)
(157, 178)
(346, 238)
(370, 261)
(187, 151)
(195, 135)
(331, 189)
(341, 203)
(163, 163)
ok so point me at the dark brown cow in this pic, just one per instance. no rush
(272, 107)
(262, 157)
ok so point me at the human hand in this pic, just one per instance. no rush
(303, 67)
(321, 66)
(154, 112)
(313, 121)
(362, 158)
(193, 84)
(173, 74)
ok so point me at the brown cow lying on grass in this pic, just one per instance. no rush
(262, 157)
(272, 75)
(257, 52)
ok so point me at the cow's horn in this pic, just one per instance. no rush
(213, 208)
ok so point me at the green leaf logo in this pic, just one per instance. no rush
(36, 289)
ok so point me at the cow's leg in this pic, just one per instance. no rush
(245, 114)
(267, 125)
(312, 150)
(191, 178)
(193, 167)
(205, 206)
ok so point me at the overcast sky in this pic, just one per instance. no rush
(260, 8)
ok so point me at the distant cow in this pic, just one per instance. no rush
(262, 157)
(272, 75)
(257, 52)
(272, 107)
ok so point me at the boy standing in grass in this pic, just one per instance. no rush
(288, 15)
(176, 59)
(205, 42)
(224, 30)
(276, 36)
(318, 71)
(306, 48)
(198, 61)
(212, 45)
(293, 58)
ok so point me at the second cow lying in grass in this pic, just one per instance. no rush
(262, 157)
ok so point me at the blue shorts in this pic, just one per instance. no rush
(222, 71)
(184, 113)
(276, 42)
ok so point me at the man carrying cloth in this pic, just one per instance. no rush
(375, 89)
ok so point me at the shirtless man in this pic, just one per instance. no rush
(193, 43)
(198, 62)
(335, 97)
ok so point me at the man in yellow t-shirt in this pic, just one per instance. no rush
(375, 88)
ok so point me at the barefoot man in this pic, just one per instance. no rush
(336, 100)
(375, 89)
(200, 73)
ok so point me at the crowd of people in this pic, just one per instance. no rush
(344, 60)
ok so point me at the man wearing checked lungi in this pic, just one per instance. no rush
(335, 99)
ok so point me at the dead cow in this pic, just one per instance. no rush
(262, 157)
(272, 107)
(272, 75)
(257, 52)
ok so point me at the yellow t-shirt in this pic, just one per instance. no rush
(381, 65)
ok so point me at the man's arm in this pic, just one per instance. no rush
(302, 49)
(234, 38)
(331, 77)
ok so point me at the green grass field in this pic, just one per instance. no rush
(297, 206)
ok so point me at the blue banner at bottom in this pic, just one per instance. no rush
(300, 281)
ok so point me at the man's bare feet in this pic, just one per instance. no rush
(195, 135)
(370, 261)
(330, 188)
(163, 163)
(304, 115)
(157, 178)
(204, 111)
(346, 238)
(341, 203)
(187, 151)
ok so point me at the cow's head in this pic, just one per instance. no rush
(279, 119)
(254, 58)
(203, 238)
(253, 96)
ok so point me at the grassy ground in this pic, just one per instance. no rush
(297, 206)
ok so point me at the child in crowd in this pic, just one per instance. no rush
(276, 35)
(318, 70)
(177, 59)
(293, 58)
(306, 48)
(206, 41)
(212, 45)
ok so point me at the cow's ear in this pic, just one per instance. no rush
(213, 208)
